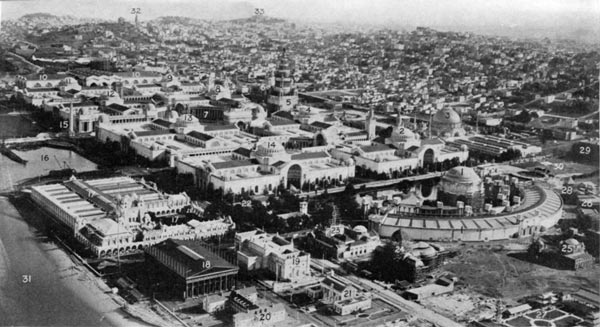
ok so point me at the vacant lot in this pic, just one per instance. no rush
(496, 274)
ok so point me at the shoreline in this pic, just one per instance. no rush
(89, 291)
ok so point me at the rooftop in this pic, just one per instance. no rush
(194, 256)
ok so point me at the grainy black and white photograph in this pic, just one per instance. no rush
(301, 163)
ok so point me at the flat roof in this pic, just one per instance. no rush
(234, 164)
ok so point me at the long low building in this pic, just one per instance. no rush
(119, 214)
(540, 207)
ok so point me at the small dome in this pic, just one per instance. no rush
(571, 241)
(421, 245)
(269, 149)
(428, 252)
(403, 134)
(360, 229)
(446, 116)
(461, 175)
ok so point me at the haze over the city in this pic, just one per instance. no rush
(538, 18)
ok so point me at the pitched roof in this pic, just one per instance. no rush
(335, 282)
(162, 122)
(214, 127)
(199, 136)
(376, 148)
(118, 107)
(357, 133)
(192, 255)
(284, 114)
(243, 152)
(281, 122)
(320, 124)
(152, 132)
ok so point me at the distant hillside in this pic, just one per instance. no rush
(45, 18)
(177, 19)
(259, 19)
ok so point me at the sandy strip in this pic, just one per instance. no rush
(4, 264)
(88, 288)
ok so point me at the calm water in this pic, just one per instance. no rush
(16, 126)
(40, 162)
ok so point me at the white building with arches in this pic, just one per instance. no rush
(387, 159)
(268, 167)
(119, 214)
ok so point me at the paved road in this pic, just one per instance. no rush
(403, 304)
(391, 297)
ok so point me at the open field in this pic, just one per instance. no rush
(497, 274)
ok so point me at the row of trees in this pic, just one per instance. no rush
(476, 158)
(249, 214)
(363, 172)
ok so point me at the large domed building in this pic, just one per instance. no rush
(447, 123)
(461, 184)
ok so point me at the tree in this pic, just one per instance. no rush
(384, 263)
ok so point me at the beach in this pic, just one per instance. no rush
(40, 285)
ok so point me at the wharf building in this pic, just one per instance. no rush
(468, 209)
(257, 250)
(186, 269)
(341, 243)
(115, 215)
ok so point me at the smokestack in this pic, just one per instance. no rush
(71, 131)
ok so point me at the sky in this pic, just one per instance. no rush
(519, 14)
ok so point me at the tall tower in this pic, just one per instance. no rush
(370, 124)
(399, 119)
(283, 95)
(71, 121)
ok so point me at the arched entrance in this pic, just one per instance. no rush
(294, 176)
(241, 125)
(428, 157)
(321, 140)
